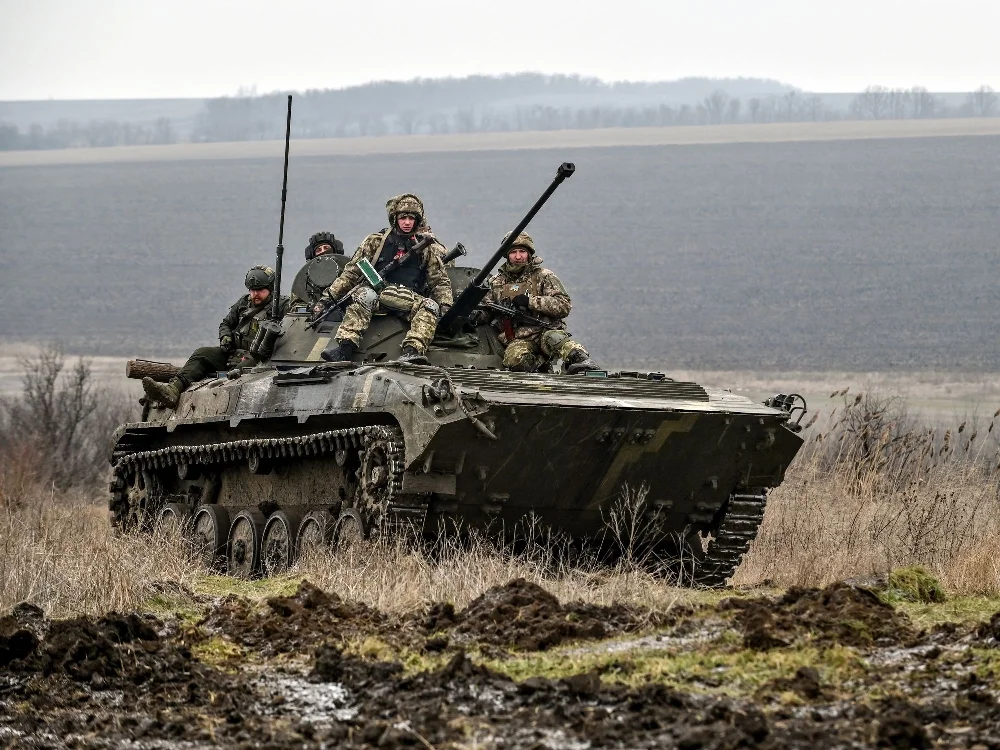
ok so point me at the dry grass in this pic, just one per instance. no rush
(392, 577)
(59, 552)
(870, 492)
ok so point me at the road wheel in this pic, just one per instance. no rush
(144, 500)
(315, 533)
(246, 535)
(210, 534)
(352, 531)
(175, 519)
(279, 541)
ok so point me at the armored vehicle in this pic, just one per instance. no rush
(260, 462)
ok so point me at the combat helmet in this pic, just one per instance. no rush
(260, 277)
(321, 238)
(407, 203)
(523, 240)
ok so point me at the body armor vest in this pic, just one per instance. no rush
(411, 274)
(527, 284)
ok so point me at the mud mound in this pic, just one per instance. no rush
(290, 623)
(524, 616)
(839, 614)
(80, 648)
(990, 631)
(463, 703)
(901, 726)
(806, 684)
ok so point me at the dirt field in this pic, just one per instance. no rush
(420, 144)
(516, 668)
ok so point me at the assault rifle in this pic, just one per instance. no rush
(373, 277)
(515, 314)
(453, 320)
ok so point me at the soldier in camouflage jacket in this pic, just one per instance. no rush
(236, 336)
(523, 283)
(404, 294)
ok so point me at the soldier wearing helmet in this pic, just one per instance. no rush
(419, 290)
(322, 243)
(236, 334)
(523, 283)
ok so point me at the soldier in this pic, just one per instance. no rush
(236, 335)
(404, 294)
(524, 284)
(322, 243)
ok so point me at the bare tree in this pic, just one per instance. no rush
(898, 103)
(871, 104)
(735, 105)
(983, 101)
(715, 106)
(408, 121)
(922, 103)
(63, 418)
(813, 108)
(163, 131)
(791, 100)
(754, 105)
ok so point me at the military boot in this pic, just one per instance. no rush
(168, 394)
(579, 361)
(343, 352)
(409, 354)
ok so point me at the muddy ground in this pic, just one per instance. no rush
(515, 669)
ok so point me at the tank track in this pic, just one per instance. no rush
(732, 540)
(300, 446)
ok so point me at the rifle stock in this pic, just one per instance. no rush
(469, 299)
(516, 315)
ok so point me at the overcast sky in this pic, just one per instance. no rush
(96, 49)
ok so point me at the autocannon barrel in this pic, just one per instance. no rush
(474, 293)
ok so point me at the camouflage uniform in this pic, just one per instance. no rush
(406, 298)
(241, 325)
(530, 347)
(236, 337)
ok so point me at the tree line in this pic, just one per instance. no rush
(521, 102)
(97, 133)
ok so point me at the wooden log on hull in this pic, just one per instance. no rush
(161, 372)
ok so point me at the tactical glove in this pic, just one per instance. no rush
(226, 344)
(521, 300)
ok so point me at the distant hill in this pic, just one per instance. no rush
(387, 100)
(514, 102)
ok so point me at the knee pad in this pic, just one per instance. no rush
(365, 296)
(552, 340)
(519, 358)
(431, 306)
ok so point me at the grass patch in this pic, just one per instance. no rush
(709, 669)
(217, 652)
(164, 607)
(414, 662)
(913, 584)
(257, 589)
(957, 609)
(987, 664)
